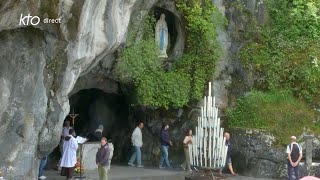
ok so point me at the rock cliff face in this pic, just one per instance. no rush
(254, 154)
(230, 80)
(39, 67)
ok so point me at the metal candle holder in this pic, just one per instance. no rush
(208, 149)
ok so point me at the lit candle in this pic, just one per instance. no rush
(209, 88)
(190, 149)
(210, 136)
(205, 147)
(202, 115)
(209, 105)
(205, 106)
(197, 150)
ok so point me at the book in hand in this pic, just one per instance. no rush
(81, 140)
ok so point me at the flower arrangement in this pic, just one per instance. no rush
(79, 168)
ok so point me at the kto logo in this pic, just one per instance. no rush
(26, 20)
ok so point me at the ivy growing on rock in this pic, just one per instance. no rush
(285, 53)
(139, 65)
(282, 54)
(202, 48)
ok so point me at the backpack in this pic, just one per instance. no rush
(295, 152)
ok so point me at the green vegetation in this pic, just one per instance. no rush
(278, 112)
(49, 8)
(283, 57)
(202, 49)
(140, 66)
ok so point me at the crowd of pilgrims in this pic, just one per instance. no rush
(69, 147)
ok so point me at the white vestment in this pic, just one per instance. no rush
(69, 157)
(111, 150)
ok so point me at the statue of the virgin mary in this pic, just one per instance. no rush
(162, 36)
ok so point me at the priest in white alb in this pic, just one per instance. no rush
(69, 157)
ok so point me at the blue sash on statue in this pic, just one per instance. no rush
(162, 39)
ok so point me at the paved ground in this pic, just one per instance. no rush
(127, 173)
(132, 173)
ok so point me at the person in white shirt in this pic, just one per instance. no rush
(111, 147)
(294, 152)
(69, 157)
(137, 143)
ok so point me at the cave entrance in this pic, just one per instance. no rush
(95, 107)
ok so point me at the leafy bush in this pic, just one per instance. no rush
(284, 54)
(161, 89)
(139, 64)
(137, 61)
(278, 112)
(202, 48)
(295, 18)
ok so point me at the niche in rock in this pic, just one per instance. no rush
(94, 108)
(173, 27)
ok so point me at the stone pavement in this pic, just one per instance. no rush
(132, 173)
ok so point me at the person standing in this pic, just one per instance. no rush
(228, 158)
(187, 140)
(294, 152)
(111, 147)
(137, 143)
(99, 133)
(69, 157)
(66, 129)
(65, 133)
(43, 163)
(165, 143)
(102, 159)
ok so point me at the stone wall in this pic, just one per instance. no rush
(40, 65)
(254, 154)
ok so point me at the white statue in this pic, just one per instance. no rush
(162, 36)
